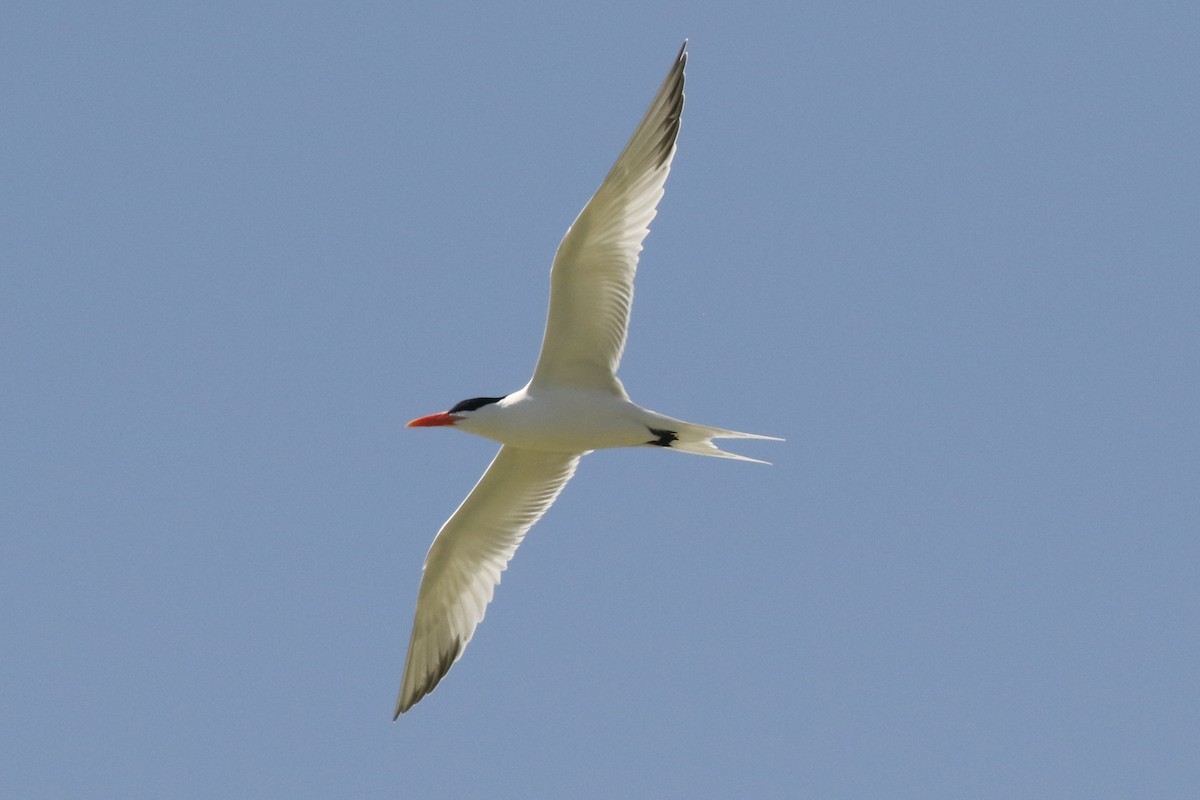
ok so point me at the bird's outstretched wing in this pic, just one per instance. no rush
(591, 282)
(471, 550)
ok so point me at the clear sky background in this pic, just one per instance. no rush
(950, 251)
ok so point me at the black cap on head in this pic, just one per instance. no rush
(475, 403)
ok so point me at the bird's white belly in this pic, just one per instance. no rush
(564, 420)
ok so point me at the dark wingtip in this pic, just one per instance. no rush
(432, 679)
(674, 80)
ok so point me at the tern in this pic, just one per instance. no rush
(573, 404)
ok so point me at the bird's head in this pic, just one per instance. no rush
(461, 411)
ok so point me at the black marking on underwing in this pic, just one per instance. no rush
(672, 92)
(445, 662)
(475, 403)
(665, 437)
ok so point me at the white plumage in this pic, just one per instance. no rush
(573, 404)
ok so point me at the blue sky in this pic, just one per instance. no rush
(948, 250)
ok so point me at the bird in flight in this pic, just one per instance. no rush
(573, 404)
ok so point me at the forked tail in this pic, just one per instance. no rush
(689, 437)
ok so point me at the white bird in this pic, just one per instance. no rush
(573, 404)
